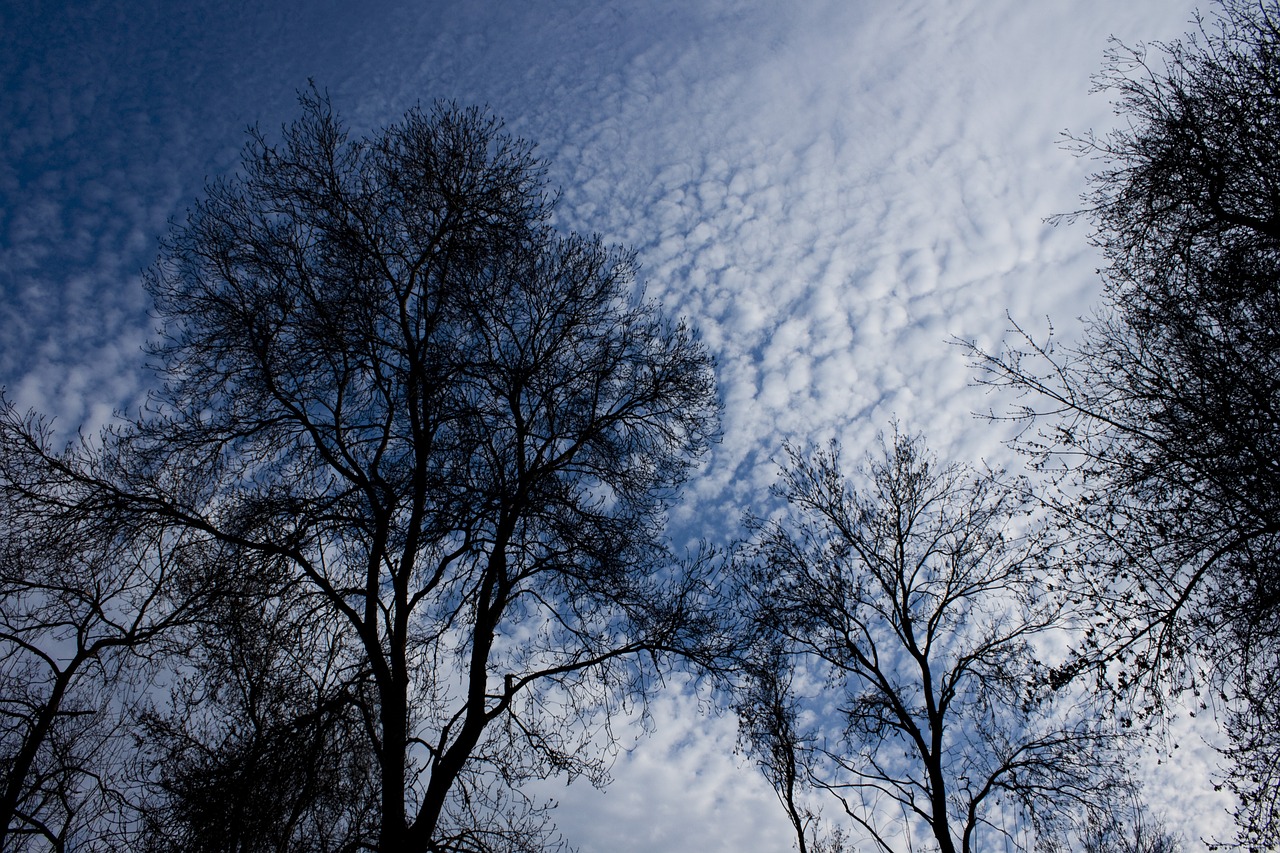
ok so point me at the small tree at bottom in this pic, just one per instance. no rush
(896, 663)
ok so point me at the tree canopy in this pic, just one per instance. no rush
(435, 438)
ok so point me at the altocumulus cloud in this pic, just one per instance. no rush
(829, 190)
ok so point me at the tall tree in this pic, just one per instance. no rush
(450, 428)
(899, 619)
(1163, 423)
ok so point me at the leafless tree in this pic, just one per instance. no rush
(453, 431)
(259, 743)
(899, 616)
(86, 606)
(1162, 426)
(1126, 825)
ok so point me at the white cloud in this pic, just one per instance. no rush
(682, 788)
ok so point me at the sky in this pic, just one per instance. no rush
(830, 190)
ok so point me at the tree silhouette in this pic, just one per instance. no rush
(88, 605)
(1163, 424)
(895, 665)
(450, 431)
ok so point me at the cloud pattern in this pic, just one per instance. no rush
(829, 190)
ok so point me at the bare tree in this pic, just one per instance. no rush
(453, 430)
(767, 712)
(1126, 825)
(86, 603)
(1163, 425)
(897, 669)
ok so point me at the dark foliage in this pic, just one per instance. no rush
(264, 747)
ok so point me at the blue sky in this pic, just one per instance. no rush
(829, 189)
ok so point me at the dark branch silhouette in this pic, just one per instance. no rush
(898, 623)
(440, 437)
(1162, 426)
